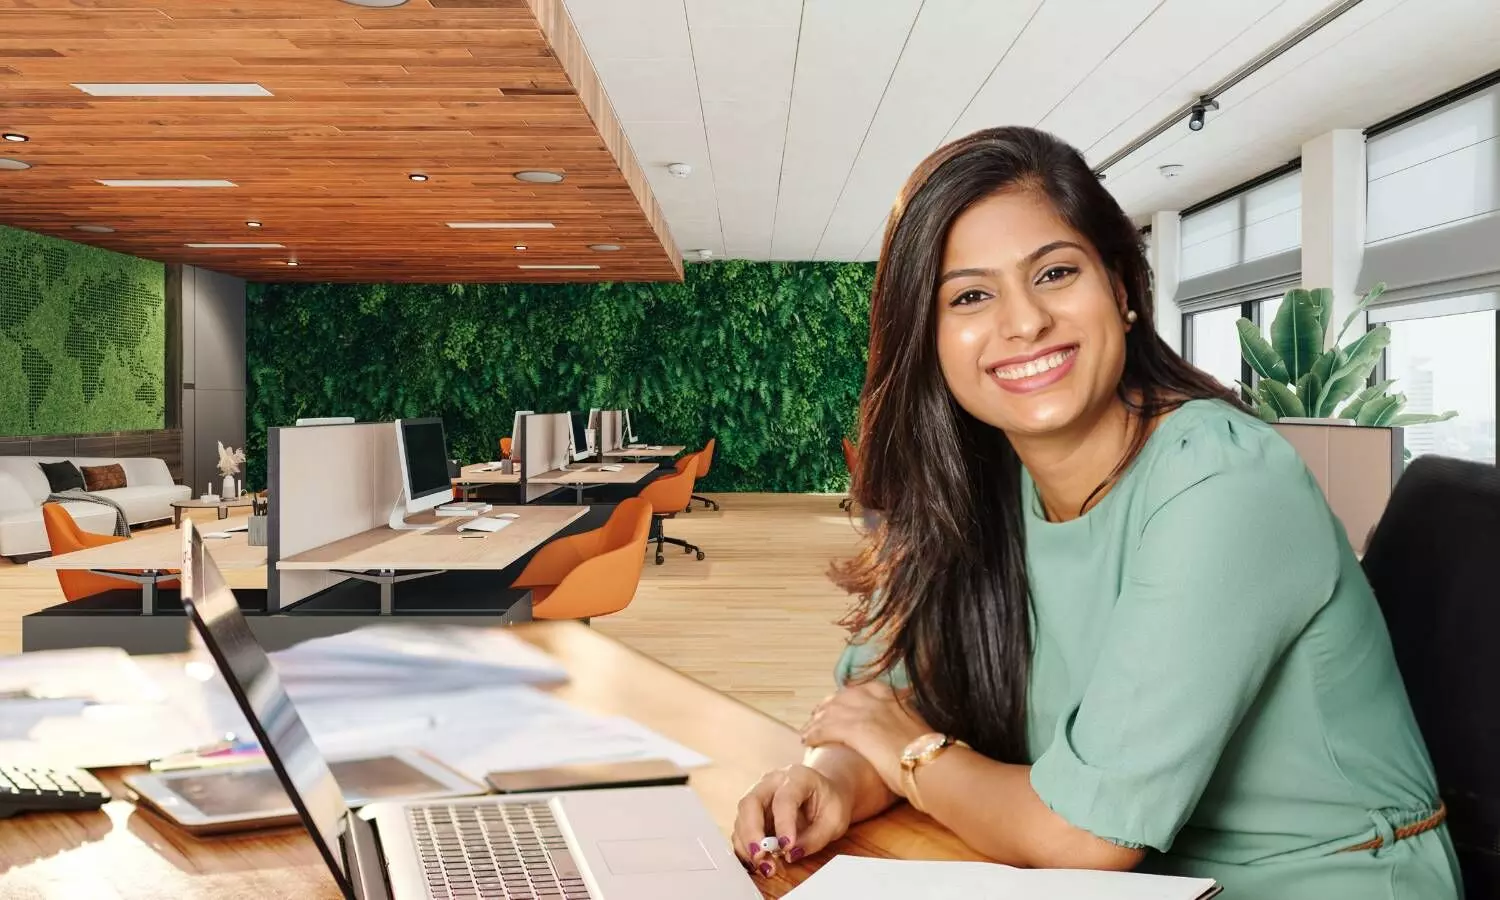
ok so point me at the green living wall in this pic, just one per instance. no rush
(769, 358)
(82, 338)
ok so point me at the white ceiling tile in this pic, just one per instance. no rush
(640, 29)
(651, 90)
(744, 13)
(656, 144)
(744, 63)
(951, 51)
(848, 51)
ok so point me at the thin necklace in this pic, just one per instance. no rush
(1108, 479)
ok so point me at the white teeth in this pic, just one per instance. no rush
(1034, 367)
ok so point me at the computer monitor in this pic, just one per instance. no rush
(578, 437)
(518, 434)
(629, 432)
(422, 451)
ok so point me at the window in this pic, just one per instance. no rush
(1442, 363)
(1214, 343)
(1266, 311)
(1265, 220)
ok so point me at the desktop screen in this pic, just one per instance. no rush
(426, 457)
(580, 433)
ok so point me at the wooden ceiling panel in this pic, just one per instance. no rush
(468, 92)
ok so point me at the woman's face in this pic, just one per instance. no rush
(1030, 326)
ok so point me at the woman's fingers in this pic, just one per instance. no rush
(750, 822)
(786, 805)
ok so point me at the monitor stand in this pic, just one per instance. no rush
(397, 520)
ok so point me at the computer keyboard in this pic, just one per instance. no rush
(41, 788)
(513, 851)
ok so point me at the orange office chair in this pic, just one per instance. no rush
(704, 465)
(64, 536)
(590, 574)
(667, 495)
(851, 461)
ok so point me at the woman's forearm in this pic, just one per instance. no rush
(991, 806)
(855, 778)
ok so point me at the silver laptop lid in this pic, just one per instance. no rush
(253, 681)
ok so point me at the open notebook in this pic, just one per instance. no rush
(901, 879)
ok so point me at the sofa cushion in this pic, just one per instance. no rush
(103, 478)
(22, 532)
(147, 503)
(28, 475)
(62, 476)
(13, 494)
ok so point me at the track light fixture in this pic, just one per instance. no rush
(1198, 116)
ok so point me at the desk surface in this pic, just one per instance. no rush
(588, 473)
(479, 473)
(121, 852)
(442, 547)
(666, 450)
(160, 549)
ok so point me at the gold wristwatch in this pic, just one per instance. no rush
(919, 753)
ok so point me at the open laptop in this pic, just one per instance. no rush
(652, 843)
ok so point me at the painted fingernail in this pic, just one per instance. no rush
(765, 869)
(754, 848)
(784, 842)
(795, 854)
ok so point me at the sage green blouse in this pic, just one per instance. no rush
(1213, 681)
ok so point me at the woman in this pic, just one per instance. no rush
(1136, 636)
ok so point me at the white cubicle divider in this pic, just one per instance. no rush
(611, 431)
(545, 450)
(327, 483)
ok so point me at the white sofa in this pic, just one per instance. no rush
(146, 497)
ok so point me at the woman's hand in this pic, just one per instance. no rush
(800, 807)
(872, 720)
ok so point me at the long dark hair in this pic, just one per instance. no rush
(943, 581)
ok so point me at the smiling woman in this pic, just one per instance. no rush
(1108, 620)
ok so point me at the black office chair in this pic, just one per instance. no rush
(1434, 563)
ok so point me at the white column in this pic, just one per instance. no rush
(1165, 258)
(1333, 220)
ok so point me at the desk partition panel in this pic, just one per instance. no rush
(545, 450)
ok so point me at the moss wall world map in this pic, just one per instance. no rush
(82, 338)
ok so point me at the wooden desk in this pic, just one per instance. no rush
(151, 558)
(122, 852)
(442, 547)
(666, 451)
(581, 476)
(479, 474)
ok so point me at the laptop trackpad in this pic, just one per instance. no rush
(651, 856)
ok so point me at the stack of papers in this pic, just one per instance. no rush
(900, 879)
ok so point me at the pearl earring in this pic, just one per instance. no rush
(1130, 316)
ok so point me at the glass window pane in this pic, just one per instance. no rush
(1447, 363)
(1216, 343)
(1267, 313)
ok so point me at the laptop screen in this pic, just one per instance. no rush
(299, 765)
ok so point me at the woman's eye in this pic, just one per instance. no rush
(1057, 273)
(968, 297)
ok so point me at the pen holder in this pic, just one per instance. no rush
(507, 467)
(257, 531)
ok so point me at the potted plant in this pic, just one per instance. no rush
(1298, 379)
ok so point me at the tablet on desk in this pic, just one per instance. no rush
(238, 798)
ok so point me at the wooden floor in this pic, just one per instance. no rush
(756, 619)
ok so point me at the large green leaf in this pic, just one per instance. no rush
(1309, 389)
(1259, 354)
(1295, 334)
(1257, 403)
(1281, 400)
(1365, 396)
(1359, 307)
(1381, 410)
(1365, 352)
(1323, 299)
(1337, 390)
(1409, 419)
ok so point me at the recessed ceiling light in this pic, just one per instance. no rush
(520, 246)
(1170, 170)
(173, 89)
(212, 246)
(538, 177)
(252, 224)
(95, 229)
(291, 262)
(14, 165)
(500, 225)
(417, 176)
(557, 267)
(15, 138)
(378, 4)
(604, 248)
(166, 182)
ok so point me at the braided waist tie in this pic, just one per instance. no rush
(1404, 832)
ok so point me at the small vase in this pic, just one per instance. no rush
(227, 490)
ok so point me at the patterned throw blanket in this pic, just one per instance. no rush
(122, 527)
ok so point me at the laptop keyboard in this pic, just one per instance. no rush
(497, 851)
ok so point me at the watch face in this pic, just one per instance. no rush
(923, 746)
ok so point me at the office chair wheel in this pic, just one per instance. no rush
(660, 559)
(687, 549)
(700, 555)
(689, 508)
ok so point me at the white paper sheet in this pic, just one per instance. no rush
(427, 658)
(899, 879)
